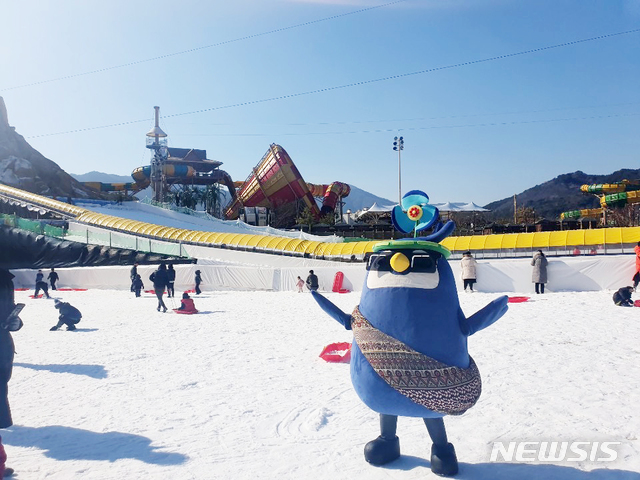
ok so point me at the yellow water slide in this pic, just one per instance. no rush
(612, 195)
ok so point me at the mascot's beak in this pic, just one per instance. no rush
(399, 262)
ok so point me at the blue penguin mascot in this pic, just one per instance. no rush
(409, 356)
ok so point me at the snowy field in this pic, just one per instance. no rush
(239, 392)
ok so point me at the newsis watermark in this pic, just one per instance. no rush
(554, 452)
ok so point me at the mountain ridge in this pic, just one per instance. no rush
(22, 166)
(560, 194)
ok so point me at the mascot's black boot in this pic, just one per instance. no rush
(443, 460)
(385, 448)
(443, 456)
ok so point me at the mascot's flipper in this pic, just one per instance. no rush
(333, 311)
(485, 317)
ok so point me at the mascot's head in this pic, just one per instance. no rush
(411, 263)
(409, 291)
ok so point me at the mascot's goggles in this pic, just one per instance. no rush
(414, 261)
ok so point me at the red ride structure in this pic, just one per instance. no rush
(276, 183)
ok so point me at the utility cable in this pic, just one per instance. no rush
(195, 49)
(410, 129)
(417, 119)
(361, 83)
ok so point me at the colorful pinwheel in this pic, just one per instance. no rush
(415, 214)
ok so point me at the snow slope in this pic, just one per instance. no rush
(238, 391)
(144, 212)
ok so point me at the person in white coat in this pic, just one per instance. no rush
(468, 264)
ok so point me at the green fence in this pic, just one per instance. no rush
(93, 236)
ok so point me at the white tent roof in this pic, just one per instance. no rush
(472, 207)
(459, 207)
(375, 208)
(447, 207)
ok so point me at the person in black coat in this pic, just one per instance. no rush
(132, 274)
(7, 349)
(312, 281)
(171, 273)
(198, 282)
(53, 278)
(622, 297)
(41, 285)
(160, 280)
(137, 285)
(69, 315)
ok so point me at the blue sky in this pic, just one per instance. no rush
(335, 89)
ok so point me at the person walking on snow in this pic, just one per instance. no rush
(132, 274)
(160, 280)
(539, 277)
(69, 316)
(137, 285)
(300, 285)
(468, 265)
(53, 278)
(172, 278)
(198, 282)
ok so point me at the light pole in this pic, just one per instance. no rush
(398, 146)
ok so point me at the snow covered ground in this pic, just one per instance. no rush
(239, 392)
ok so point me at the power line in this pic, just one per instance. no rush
(358, 84)
(195, 49)
(412, 129)
(417, 119)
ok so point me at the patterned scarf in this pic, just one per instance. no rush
(435, 385)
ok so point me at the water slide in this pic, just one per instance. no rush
(174, 173)
(619, 200)
(607, 188)
(584, 213)
(276, 182)
(612, 195)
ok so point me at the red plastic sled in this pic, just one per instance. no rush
(21, 289)
(518, 299)
(337, 352)
(337, 283)
(185, 312)
(636, 303)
